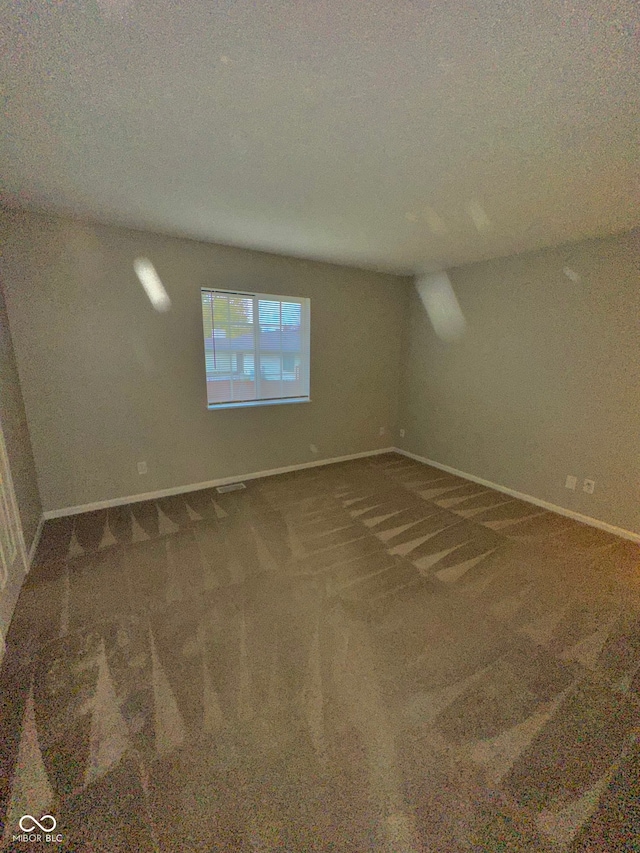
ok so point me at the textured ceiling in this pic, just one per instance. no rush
(396, 134)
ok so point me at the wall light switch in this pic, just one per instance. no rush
(382, 430)
(142, 467)
(401, 433)
(588, 486)
(571, 482)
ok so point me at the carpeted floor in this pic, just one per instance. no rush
(370, 656)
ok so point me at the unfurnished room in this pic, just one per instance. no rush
(320, 426)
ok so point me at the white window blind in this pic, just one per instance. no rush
(256, 348)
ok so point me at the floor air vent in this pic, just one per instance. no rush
(231, 487)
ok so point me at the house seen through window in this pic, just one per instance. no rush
(256, 348)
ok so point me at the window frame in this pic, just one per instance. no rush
(305, 349)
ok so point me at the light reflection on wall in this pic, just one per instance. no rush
(441, 305)
(153, 287)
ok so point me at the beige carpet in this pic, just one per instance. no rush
(371, 656)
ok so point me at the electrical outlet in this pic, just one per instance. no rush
(313, 448)
(142, 467)
(571, 482)
(588, 486)
(401, 433)
(382, 430)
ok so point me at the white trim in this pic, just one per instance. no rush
(13, 512)
(569, 513)
(247, 404)
(35, 543)
(222, 481)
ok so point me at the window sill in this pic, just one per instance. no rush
(252, 404)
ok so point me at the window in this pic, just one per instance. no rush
(256, 348)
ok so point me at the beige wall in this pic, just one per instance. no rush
(108, 381)
(545, 382)
(16, 434)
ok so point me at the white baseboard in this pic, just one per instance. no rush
(569, 513)
(35, 543)
(194, 487)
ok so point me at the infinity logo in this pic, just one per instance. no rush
(26, 827)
